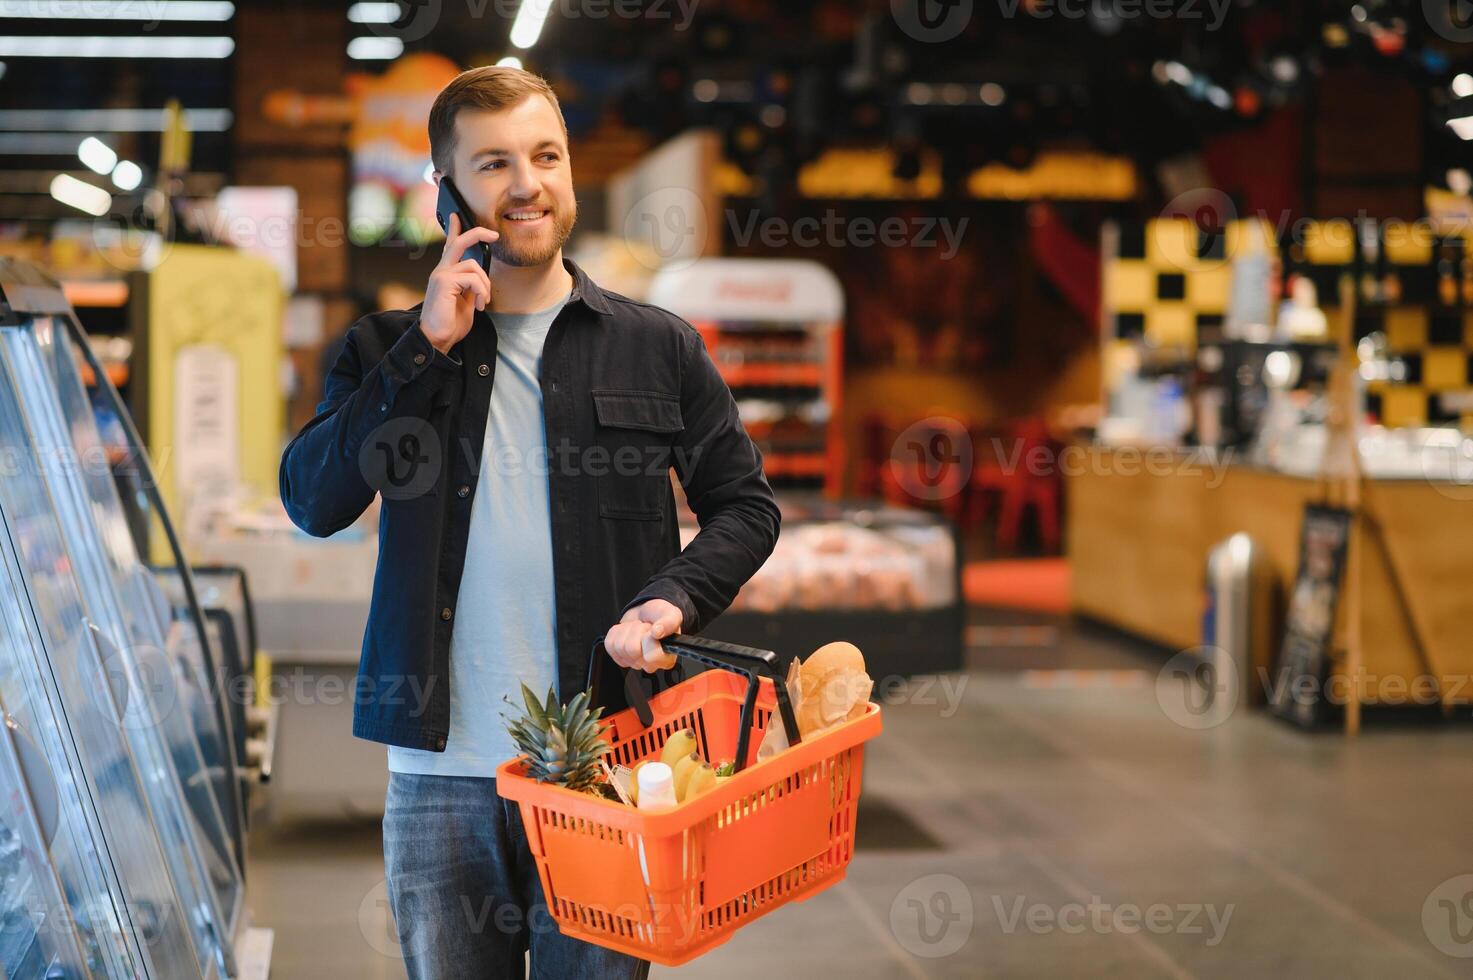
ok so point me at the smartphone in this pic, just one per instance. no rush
(450, 202)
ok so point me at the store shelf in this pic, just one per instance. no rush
(96, 293)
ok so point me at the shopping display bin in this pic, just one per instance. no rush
(670, 885)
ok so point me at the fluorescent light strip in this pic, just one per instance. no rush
(527, 28)
(38, 144)
(109, 121)
(201, 48)
(150, 11)
(375, 48)
(374, 13)
(81, 195)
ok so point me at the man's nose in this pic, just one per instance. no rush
(525, 183)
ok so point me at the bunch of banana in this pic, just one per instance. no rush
(693, 775)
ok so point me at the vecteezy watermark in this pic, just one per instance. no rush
(401, 459)
(1452, 20)
(1447, 917)
(935, 21)
(932, 916)
(1199, 688)
(667, 228)
(934, 458)
(922, 690)
(477, 914)
(839, 231)
(416, 18)
(1103, 918)
(1390, 690)
(299, 686)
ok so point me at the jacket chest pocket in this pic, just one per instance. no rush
(634, 436)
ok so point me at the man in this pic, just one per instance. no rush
(519, 426)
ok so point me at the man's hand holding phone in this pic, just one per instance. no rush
(457, 289)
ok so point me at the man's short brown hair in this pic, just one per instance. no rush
(489, 89)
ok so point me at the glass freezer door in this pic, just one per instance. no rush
(37, 773)
(45, 352)
(36, 935)
(124, 764)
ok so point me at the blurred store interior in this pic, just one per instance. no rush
(1112, 362)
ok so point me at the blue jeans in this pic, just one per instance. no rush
(465, 891)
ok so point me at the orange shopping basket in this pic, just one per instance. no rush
(669, 885)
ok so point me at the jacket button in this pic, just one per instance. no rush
(463, 492)
(419, 358)
(483, 370)
(445, 613)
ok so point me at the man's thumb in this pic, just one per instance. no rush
(667, 624)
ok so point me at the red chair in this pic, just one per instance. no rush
(1021, 469)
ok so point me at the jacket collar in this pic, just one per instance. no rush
(586, 290)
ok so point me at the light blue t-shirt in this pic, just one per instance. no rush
(505, 630)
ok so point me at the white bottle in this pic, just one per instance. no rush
(656, 786)
(656, 792)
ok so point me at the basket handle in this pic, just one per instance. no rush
(747, 661)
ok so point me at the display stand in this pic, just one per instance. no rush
(1339, 485)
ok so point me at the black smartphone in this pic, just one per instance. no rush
(450, 202)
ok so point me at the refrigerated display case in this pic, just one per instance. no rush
(885, 578)
(130, 679)
(774, 329)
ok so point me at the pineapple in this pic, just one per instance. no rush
(561, 743)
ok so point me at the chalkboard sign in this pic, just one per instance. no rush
(1298, 693)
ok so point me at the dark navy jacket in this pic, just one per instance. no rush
(629, 391)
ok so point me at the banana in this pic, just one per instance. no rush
(678, 746)
(702, 779)
(684, 769)
(634, 780)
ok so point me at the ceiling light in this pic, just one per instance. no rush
(374, 13)
(151, 11)
(110, 120)
(81, 195)
(200, 48)
(527, 28)
(97, 155)
(127, 176)
(1463, 85)
(510, 61)
(375, 48)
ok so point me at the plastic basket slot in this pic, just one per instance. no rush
(572, 848)
(763, 837)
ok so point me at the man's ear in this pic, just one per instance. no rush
(437, 178)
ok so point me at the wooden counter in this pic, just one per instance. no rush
(1138, 537)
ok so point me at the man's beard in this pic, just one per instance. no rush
(532, 254)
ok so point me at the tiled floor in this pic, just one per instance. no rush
(1050, 825)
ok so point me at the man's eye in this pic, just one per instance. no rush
(494, 165)
(550, 157)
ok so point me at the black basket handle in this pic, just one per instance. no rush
(750, 662)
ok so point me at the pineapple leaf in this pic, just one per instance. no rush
(534, 709)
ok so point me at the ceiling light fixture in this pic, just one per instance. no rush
(81, 195)
(54, 46)
(527, 27)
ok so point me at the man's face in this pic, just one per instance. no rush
(512, 168)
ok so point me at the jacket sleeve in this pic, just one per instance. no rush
(322, 485)
(721, 471)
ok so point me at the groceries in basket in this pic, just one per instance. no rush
(667, 880)
(827, 689)
(563, 743)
